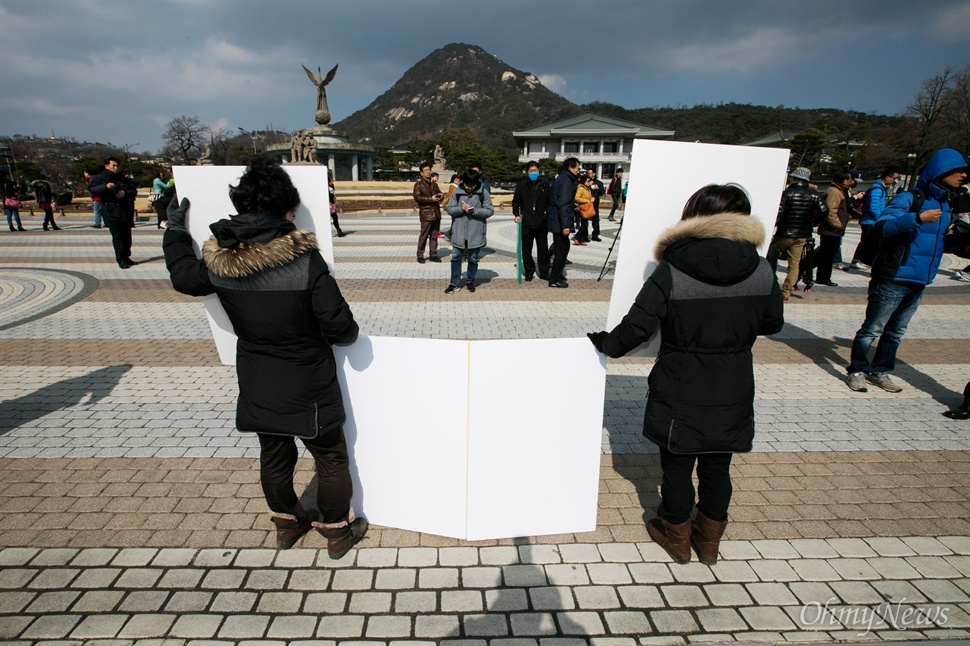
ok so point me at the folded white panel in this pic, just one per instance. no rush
(535, 428)
(406, 431)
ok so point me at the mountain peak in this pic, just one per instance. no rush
(457, 86)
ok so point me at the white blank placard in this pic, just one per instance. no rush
(663, 175)
(535, 429)
(207, 188)
(406, 431)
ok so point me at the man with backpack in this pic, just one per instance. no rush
(910, 234)
(873, 205)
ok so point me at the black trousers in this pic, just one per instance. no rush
(48, 217)
(866, 228)
(560, 247)
(828, 247)
(538, 236)
(277, 461)
(677, 488)
(120, 229)
(595, 221)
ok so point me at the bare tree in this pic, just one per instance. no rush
(185, 137)
(926, 109)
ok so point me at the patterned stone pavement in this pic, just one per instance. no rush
(130, 509)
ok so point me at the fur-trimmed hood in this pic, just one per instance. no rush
(716, 249)
(245, 259)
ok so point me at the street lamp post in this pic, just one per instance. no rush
(252, 135)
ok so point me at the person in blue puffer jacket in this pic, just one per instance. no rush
(906, 263)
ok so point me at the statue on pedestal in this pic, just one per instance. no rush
(309, 147)
(322, 115)
(204, 159)
(296, 147)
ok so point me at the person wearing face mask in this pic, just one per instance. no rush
(529, 207)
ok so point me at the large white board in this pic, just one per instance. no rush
(475, 453)
(207, 188)
(663, 175)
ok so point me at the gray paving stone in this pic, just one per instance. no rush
(296, 558)
(532, 623)
(767, 618)
(672, 621)
(377, 557)
(771, 594)
(330, 603)
(279, 602)
(627, 622)
(352, 580)
(481, 577)
(184, 601)
(812, 592)
(255, 558)
(96, 578)
(209, 558)
(143, 626)
(774, 549)
(650, 573)
(854, 569)
(267, 579)
(735, 550)
(733, 572)
(94, 557)
(582, 553)
(684, 596)
(455, 556)
(773, 570)
(811, 569)
(196, 626)
(721, 620)
(926, 545)
(933, 567)
(292, 627)
(814, 548)
(580, 623)
(395, 579)
(485, 625)
(419, 556)
(138, 578)
(942, 591)
(438, 578)
(309, 579)
(461, 601)
(366, 603)
(134, 557)
(609, 573)
(539, 554)
(958, 544)
(11, 626)
(620, 553)
(898, 590)
(386, 626)
(53, 578)
(500, 555)
(552, 598)
(693, 573)
(889, 546)
(856, 592)
(727, 594)
(506, 600)
(234, 602)
(176, 557)
(50, 557)
(17, 556)
(244, 626)
(566, 574)
(436, 625)
(98, 601)
(144, 601)
(415, 602)
(98, 627)
(524, 575)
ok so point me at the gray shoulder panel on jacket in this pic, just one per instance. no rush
(759, 283)
(293, 276)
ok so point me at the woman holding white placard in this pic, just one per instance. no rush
(710, 297)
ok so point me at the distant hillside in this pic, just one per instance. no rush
(736, 123)
(457, 86)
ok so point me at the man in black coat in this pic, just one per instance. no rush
(801, 207)
(116, 192)
(559, 217)
(529, 204)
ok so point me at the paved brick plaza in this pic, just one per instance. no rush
(131, 510)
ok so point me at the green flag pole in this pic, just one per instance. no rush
(519, 254)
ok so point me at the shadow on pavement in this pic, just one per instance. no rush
(57, 396)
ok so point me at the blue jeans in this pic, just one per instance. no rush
(97, 213)
(891, 306)
(12, 214)
(456, 255)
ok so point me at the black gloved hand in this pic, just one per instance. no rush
(176, 214)
(597, 339)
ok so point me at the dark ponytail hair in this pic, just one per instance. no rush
(264, 188)
(717, 198)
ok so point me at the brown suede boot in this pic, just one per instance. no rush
(291, 527)
(706, 538)
(342, 536)
(675, 539)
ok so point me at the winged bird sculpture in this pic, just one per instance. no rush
(322, 115)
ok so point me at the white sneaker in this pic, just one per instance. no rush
(962, 276)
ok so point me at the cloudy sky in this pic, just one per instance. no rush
(105, 70)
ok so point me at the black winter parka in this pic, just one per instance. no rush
(286, 311)
(530, 202)
(710, 296)
(800, 210)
